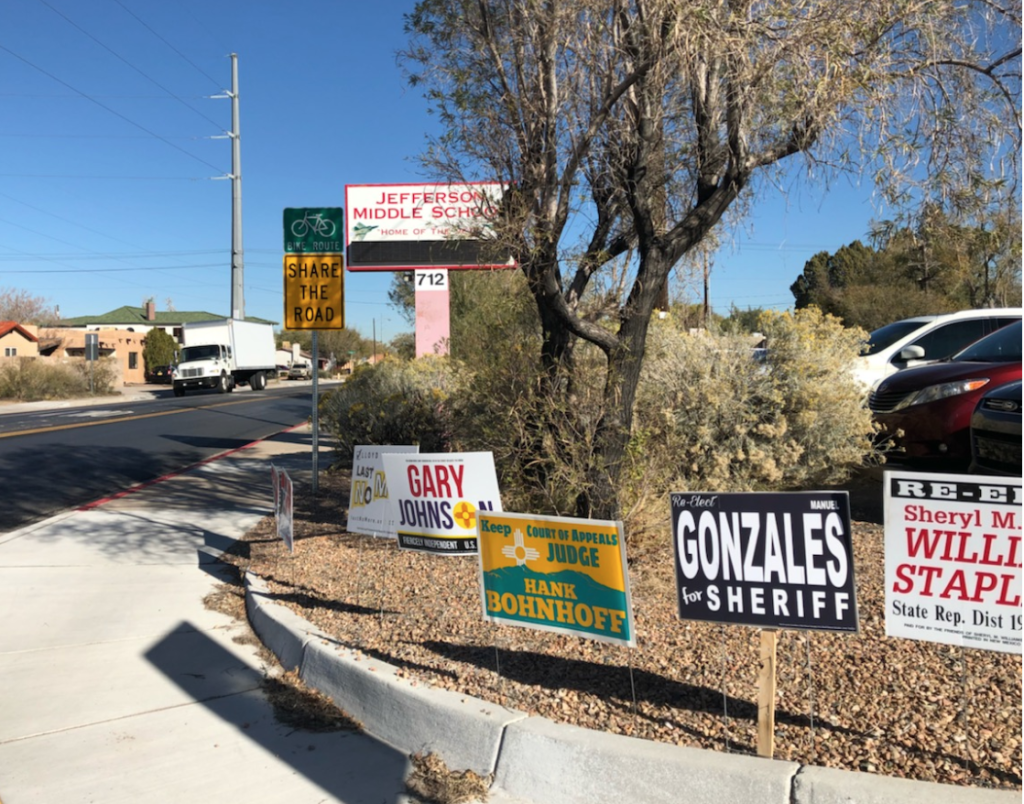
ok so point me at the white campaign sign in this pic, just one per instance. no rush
(435, 497)
(953, 559)
(368, 508)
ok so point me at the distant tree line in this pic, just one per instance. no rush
(934, 266)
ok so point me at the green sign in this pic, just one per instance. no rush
(314, 230)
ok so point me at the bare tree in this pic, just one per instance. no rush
(24, 308)
(627, 129)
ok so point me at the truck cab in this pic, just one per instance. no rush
(206, 366)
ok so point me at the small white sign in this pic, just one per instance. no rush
(284, 501)
(368, 509)
(953, 559)
(433, 279)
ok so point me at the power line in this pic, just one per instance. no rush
(111, 270)
(117, 55)
(215, 82)
(114, 178)
(139, 126)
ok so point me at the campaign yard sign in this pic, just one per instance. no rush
(769, 560)
(368, 508)
(284, 501)
(953, 559)
(556, 574)
(435, 498)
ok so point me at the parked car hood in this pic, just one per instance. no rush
(913, 379)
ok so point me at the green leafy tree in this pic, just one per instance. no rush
(934, 266)
(626, 130)
(160, 349)
(741, 322)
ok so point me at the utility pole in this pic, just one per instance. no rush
(237, 262)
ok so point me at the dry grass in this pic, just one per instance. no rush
(432, 782)
(304, 708)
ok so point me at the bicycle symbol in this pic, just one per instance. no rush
(315, 224)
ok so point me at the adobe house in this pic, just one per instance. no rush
(124, 346)
(18, 340)
(122, 334)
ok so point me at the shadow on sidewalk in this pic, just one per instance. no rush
(349, 766)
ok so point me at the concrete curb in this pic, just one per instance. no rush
(536, 759)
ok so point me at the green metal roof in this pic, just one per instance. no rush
(123, 316)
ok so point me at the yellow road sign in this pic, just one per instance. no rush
(314, 291)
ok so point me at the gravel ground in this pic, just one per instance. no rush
(866, 702)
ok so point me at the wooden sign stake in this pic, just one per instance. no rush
(766, 694)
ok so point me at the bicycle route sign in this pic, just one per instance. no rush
(314, 230)
(314, 268)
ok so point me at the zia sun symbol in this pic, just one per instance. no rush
(465, 515)
(519, 551)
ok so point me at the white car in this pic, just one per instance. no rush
(300, 371)
(926, 339)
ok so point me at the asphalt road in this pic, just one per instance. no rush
(53, 460)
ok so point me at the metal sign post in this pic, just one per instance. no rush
(314, 288)
(92, 353)
(316, 413)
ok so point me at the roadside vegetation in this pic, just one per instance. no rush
(30, 379)
(708, 415)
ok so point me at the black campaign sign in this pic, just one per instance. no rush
(766, 560)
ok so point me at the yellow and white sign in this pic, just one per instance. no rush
(556, 574)
(314, 291)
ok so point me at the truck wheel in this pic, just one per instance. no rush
(179, 391)
(223, 384)
(258, 381)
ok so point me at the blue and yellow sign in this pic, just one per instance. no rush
(556, 574)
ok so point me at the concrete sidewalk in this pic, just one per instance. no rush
(118, 685)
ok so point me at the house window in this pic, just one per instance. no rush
(133, 360)
(10, 351)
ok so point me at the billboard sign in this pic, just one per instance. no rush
(435, 498)
(556, 574)
(953, 559)
(391, 227)
(769, 560)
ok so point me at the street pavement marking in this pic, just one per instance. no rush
(57, 427)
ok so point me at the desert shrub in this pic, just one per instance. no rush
(542, 443)
(711, 417)
(31, 379)
(392, 402)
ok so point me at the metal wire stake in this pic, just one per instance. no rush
(810, 695)
(383, 575)
(725, 697)
(632, 683)
(359, 573)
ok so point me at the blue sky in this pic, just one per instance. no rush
(109, 170)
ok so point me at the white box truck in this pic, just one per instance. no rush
(225, 353)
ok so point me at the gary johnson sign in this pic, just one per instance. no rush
(766, 560)
(435, 498)
(953, 559)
